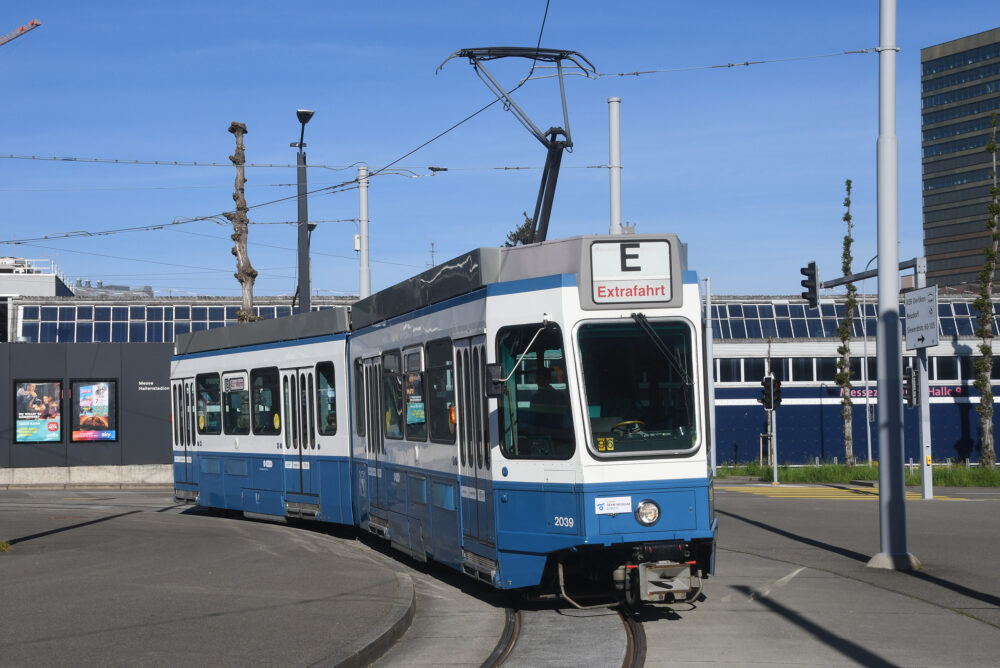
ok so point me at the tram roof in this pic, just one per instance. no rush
(483, 266)
(299, 326)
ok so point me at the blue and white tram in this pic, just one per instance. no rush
(258, 424)
(533, 416)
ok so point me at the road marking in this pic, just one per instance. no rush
(808, 492)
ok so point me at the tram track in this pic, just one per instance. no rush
(557, 637)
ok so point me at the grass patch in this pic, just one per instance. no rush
(956, 476)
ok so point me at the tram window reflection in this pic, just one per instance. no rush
(639, 391)
(534, 410)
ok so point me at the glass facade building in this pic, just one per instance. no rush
(960, 91)
(132, 320)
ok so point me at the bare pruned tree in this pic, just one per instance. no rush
(245, 273)
(843, 377)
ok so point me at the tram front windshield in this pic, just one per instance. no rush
(639, 385)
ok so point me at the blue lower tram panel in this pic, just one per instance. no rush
(538, 526)
(541, 526)
(255, 484)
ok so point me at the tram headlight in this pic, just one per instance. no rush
(647, 513)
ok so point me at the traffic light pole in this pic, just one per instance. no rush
(774, 445)
(770, 398)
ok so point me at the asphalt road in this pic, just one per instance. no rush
(122, 577)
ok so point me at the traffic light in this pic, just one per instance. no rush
(811, 284)
(911, 386)
(767, 393)
(776, 393)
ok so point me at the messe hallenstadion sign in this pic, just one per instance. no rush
(631, 271)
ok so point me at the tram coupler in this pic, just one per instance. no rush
(185, 496)
(653, 582)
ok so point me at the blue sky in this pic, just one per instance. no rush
(746, 164)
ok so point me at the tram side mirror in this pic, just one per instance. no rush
(494, 380)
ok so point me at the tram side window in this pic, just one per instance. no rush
(413, 391)
(441, 391)
(177, 417)
(236, 405)
(265, 404)
(326, 398)
(359, 397)
(534, 410)
(209, 410)
(392, 394)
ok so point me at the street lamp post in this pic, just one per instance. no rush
(304, 228)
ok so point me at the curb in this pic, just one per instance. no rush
(378, 642)
(87, 485)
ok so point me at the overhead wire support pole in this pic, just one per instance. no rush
(893, 554)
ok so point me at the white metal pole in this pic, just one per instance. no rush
(615, 163)
(892, 489)
(864, 367)
(365, 279)
(926, 470)
(710, 372)
(774, 445)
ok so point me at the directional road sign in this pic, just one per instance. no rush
(921, 318)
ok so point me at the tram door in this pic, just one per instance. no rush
(298, 389)
(183, 418)
(375, 417)
(473, 440)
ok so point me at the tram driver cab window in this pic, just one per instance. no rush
(536, 420)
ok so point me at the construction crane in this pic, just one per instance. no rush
(14, 34)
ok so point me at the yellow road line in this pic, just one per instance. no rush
(802, 492)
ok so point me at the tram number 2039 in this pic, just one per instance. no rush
(563, 521)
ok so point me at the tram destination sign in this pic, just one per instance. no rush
(921, 318)
(630, 271)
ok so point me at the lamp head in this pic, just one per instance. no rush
(304, 115)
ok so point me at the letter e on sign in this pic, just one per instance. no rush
(627, 256)
(630, 271)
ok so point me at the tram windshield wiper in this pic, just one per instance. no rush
(672, 357)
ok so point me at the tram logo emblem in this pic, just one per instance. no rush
(612, 505)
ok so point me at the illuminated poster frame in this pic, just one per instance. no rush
(95, 410)
(38, 411)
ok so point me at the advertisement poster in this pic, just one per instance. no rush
(93, 411)
(37, 413)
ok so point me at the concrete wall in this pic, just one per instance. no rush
(142, 372)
